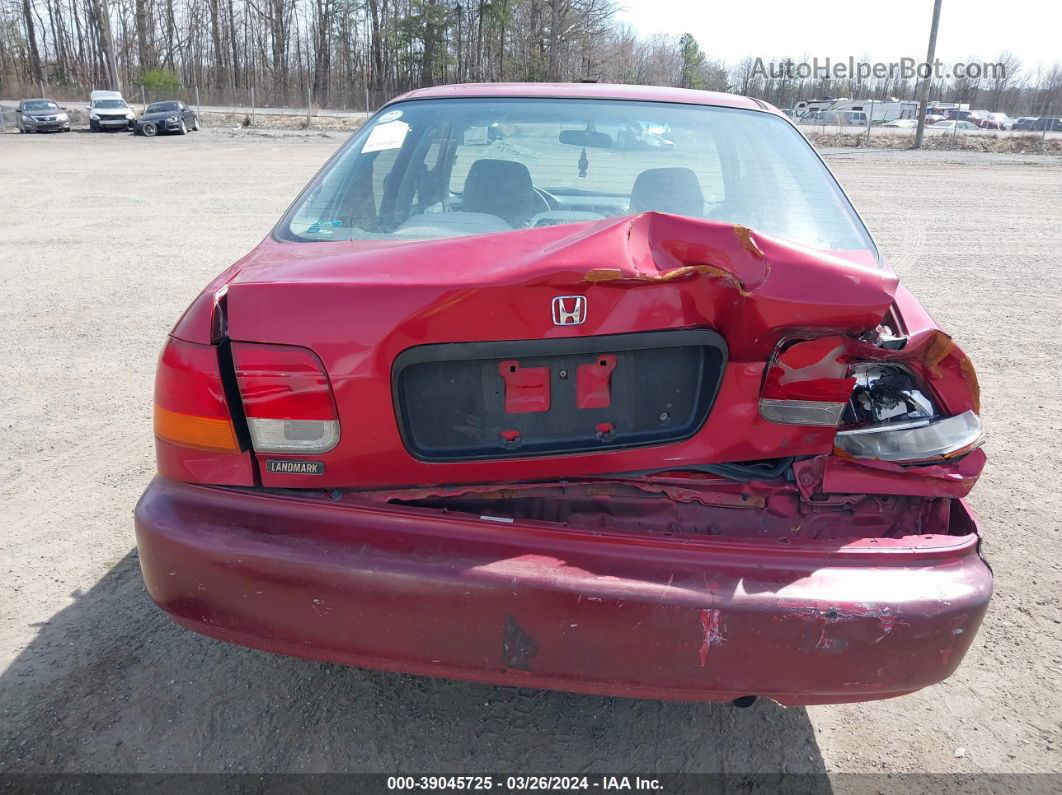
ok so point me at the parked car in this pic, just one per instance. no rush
(41, 115)
(975, 116)
(906, 123)
(1024, 123)
(109, 111)
(170, 116)
(933, 118)
(1049, 123)
(996, 121)
(951, 125)
(570, 416)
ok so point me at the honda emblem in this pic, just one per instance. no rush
(569, 310)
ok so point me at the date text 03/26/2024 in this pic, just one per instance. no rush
(522, 783)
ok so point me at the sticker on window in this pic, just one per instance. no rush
(389, 135)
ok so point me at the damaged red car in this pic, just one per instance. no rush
(511, 395)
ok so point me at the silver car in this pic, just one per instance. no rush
(41, 115)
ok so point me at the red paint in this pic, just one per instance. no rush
(587, 91)
(605, 430)
(948, 479)
(526, 388)
(406, 298)
(593, 383)
(850, 581)
(247, 566)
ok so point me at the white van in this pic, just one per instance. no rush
(108, 110)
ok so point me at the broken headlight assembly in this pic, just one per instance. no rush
(890, 416)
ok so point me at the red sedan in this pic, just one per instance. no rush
(501, 400)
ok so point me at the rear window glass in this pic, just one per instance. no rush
(444, 168)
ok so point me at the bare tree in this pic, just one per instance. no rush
(101, 18)
(31, 40)
(361, 52)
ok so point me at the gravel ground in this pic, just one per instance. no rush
(103, 242)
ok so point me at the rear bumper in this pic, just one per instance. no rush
(525, 604)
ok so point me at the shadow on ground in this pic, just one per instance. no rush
(109, 685)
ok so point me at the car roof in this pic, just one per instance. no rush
(106, 95)
(588, 91)
(39, 99)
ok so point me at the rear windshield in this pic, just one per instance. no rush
(444, 168)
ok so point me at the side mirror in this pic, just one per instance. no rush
(586, 138)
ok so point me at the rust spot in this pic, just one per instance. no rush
(711, 271)
(606, 275)
(969, 375)
(936, 351)
(518, 647)
(748, 242)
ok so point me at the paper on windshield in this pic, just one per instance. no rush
(386, 136)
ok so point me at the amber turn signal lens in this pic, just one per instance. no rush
(188, 430)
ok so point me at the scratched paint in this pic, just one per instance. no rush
(713, 633)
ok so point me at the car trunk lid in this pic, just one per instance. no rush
(451, 361)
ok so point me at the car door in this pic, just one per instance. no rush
(186, 114)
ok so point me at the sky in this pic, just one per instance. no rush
(886, 30)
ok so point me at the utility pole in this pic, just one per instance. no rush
(923, 93)
(1047, 123)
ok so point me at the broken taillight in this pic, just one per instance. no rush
(807, 383)
(287, 398)
(892, 416)
(885, 409)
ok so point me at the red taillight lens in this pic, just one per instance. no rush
(196, 440)
(190, 408)
(807, 383)
(286, 397)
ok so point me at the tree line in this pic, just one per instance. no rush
(359, 53)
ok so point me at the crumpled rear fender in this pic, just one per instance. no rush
(827, 474)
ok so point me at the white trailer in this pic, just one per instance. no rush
(806, 106)
(880, 111)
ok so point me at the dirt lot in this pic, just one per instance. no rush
(103, 241)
